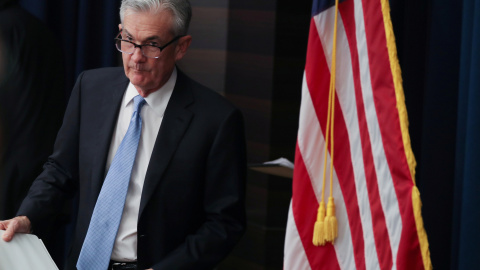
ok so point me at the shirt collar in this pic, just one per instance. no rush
(158, 99)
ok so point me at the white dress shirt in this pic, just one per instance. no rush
(125, 247)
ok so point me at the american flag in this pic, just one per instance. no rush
(377, 202)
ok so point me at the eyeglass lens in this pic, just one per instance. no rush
(128, 47)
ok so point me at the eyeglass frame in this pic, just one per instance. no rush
(135, 45)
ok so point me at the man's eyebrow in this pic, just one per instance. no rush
(153, 38)
(126, 31)
(147, 39)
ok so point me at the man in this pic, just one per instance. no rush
(184, 208)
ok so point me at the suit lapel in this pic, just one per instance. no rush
(108, 108)
(174, 124)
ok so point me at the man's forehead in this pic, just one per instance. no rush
(148, 24)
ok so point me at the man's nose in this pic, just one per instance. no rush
(137, 55)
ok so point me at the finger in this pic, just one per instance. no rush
(12, 227)
(6, 237)
(3, 226)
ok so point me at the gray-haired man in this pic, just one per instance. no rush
(184, 206)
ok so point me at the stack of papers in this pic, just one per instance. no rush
(279, 167)
(25, 251)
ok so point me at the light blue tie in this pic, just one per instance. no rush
(98, 244)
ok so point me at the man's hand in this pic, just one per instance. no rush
(15, 225)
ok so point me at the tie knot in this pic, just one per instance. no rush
(138, 102)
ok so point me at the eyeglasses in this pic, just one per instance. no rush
(148, 50)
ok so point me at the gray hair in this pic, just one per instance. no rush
(181, 10)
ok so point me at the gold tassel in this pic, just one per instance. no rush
(319, 229)
(331, 226)
(326, 227)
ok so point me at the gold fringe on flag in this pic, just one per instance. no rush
(402, 111)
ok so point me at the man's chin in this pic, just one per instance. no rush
(137, 79)
(135, 73)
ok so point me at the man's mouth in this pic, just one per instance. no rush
(138, 69)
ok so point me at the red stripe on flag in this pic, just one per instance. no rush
(409, 254)
(318, 78)
(305, 205)
(382, 239)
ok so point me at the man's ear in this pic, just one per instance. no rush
(182, 47)
(119, 27)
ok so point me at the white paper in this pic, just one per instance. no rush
(25, 251)
(280, 162)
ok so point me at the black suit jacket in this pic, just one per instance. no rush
(192, 205)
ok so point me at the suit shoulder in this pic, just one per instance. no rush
(207, 98)
(101, 81)
(104, 74)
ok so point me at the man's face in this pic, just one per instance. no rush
(149, 74)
